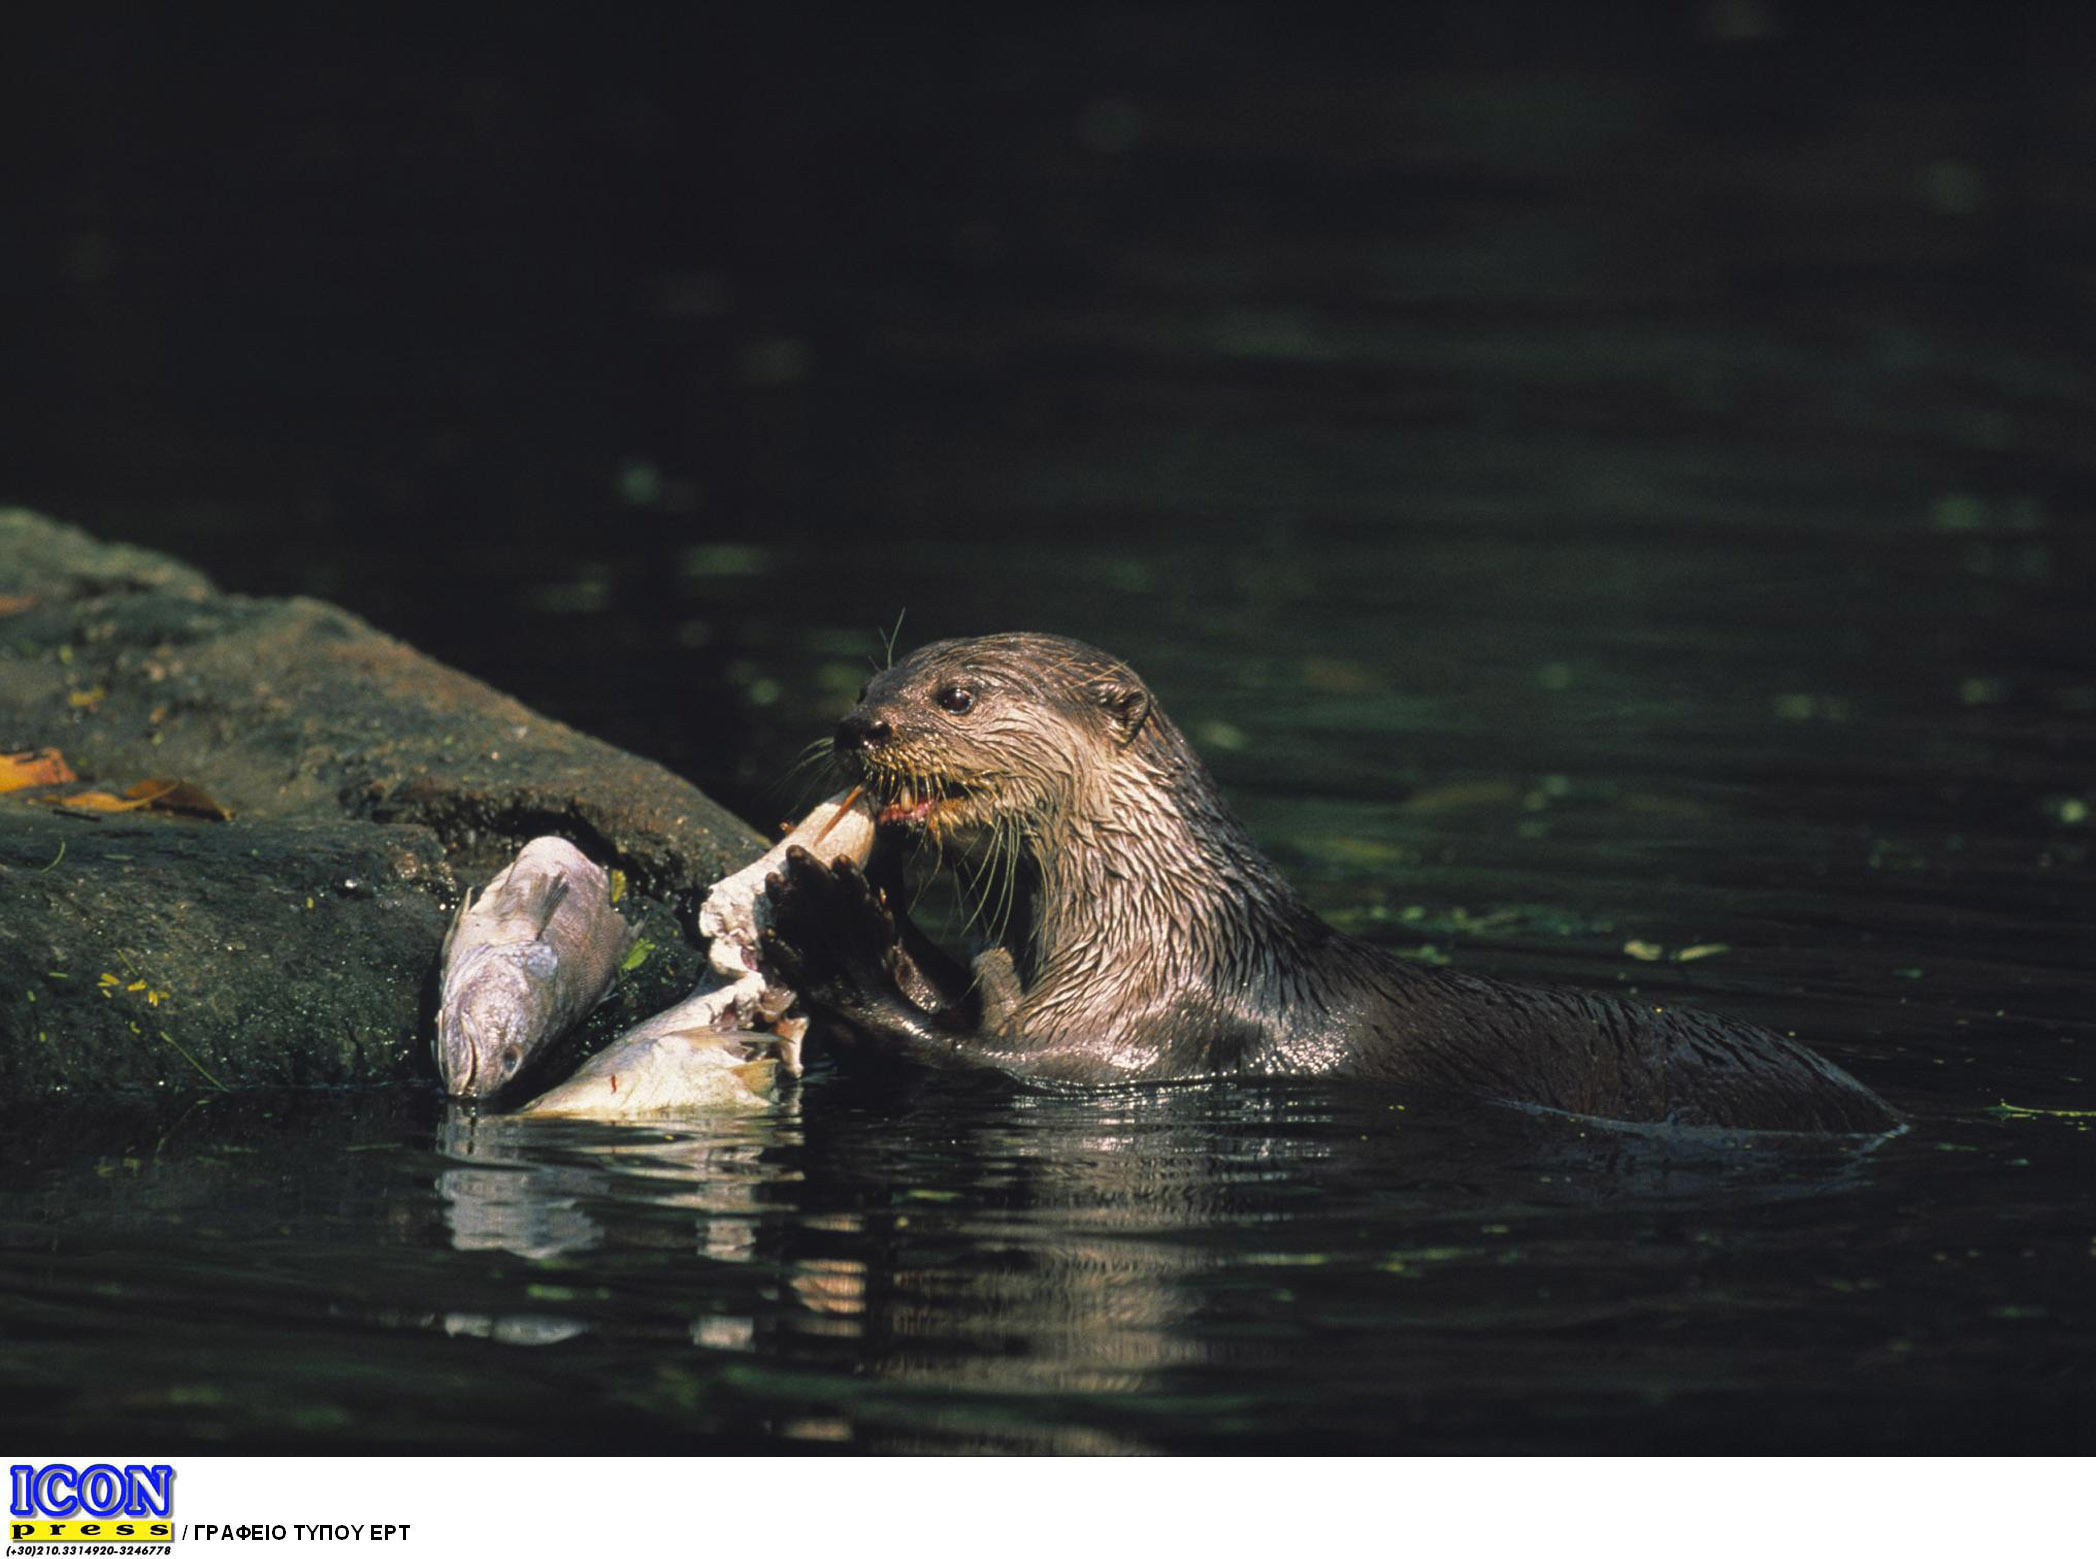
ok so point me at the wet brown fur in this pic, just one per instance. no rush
(1135, 932)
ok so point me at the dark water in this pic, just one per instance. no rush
(1306, 1267)
(1588, 496)
(1287, 1268)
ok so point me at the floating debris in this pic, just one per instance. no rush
(2022, 1112)
(1653, 952)
(1689, 955)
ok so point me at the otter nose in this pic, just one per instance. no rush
(862, 731)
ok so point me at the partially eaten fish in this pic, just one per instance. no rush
(737, 910)
(711, 1050)
(839, 828)
(677, 1062)
(524, 962)
(527, 960)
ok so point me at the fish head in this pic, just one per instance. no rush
(489, 1027)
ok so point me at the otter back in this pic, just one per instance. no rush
(1142, 936)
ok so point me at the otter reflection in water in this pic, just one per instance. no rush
(1135, 932)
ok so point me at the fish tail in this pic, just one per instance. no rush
(760, 1077)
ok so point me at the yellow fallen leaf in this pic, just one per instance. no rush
(44, 766)
(96, 801)
(180, 796)
(158, 795)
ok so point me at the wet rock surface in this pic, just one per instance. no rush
(297, 941)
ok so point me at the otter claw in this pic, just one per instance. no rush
(832, 937)
(780, 957)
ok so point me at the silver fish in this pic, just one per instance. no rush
(679, 1062)
(523, 963)
(709, 1051)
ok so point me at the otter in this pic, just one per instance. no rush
(1135, 933)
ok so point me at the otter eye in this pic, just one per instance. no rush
(956, 700)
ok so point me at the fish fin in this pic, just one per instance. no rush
(778, 1050)
(550, 891)
(531, 898)
(458, 918)
(790, 1032)
(760, 1077)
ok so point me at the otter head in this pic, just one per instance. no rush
(969, 736)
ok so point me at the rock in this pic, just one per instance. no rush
(297, 942)
(157, 953)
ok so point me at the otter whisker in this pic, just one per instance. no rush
(801, 765)
(978, 893)
(801, 778)
(926, 877)
(1004, 857)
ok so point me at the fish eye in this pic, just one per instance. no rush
(955, 699)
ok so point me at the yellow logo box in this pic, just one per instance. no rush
(92, 1529)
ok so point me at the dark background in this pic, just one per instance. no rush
(1597, 483)
(479, 322)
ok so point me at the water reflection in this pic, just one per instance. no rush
(530, 1331)
(954, 1263)
(528, 1209)
(540, 1189)
(985, 1252)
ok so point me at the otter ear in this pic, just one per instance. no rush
(1127, 704)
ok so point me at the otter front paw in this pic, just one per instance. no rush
(832, 938)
